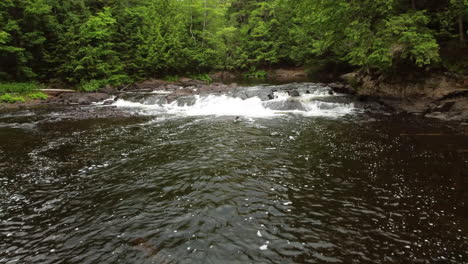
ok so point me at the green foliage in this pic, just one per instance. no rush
(17, 87)
(37, 96)
(92, 85)
(20, 92)
(202, 77)
(9, 98)
(256, 74)
(89, 42)
(171, 78)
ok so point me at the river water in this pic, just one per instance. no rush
(313, 179)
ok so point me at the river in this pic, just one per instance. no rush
(225, 179)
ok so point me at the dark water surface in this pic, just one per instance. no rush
(205, 189)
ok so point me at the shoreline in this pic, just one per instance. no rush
(438, 96)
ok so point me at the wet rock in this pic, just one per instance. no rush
(80, 98)
(171, 98)
(186, 101)
(183, 92)
(214, 88)
(287, 105)
(342, 88)
(294, 93)
(265, 94)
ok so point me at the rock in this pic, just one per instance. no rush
(80, 98)
(223, 76)
(171, 98)
(363, 98)
(214, 88)
(285, 105)
(342, 88)
(445, 107)
(183, 92)
(329, 92)
(265, 94)
(153, 84)
(349, 77)
(83, 101)
(294, 93)
(292, 74)
(186, 82)
(108, 89)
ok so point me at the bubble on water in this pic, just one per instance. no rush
(259, 234)
(264, 247)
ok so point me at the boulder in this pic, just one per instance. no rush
(294, 93)
(342, 88)
(153, 84)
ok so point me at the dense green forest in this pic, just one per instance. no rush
(89, 43)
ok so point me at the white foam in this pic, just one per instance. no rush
(223, 105)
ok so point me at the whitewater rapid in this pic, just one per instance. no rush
(228, 105)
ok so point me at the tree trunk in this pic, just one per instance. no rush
(413, 4)
(461, 29)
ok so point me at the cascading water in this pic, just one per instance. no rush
(247, 102)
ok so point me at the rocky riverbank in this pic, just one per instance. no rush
(435, 95)
(440, 96)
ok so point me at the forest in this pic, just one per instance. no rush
(90, 43)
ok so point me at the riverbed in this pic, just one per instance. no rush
(230, 179)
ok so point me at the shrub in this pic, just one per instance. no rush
(37, 96)
(8, 98)
(202, 77)
(17, 87)
(93, 85)
(172, 78)
(256, 75)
